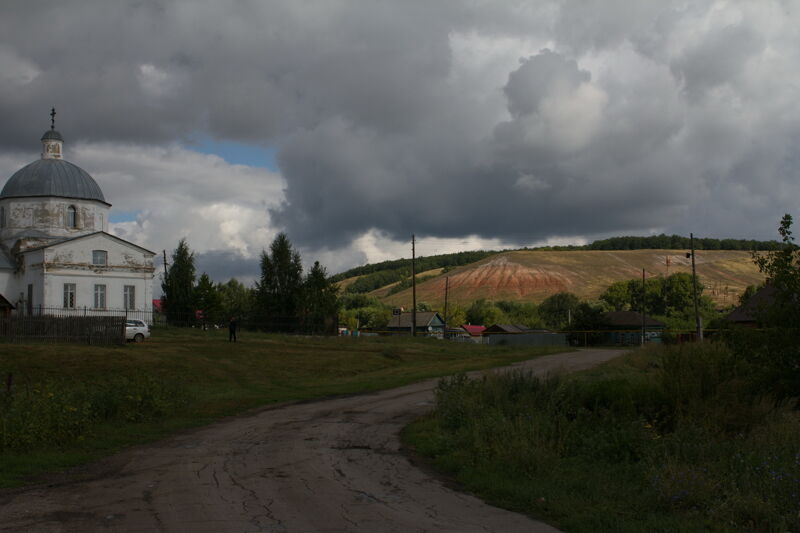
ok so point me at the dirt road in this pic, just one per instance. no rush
(324, 466)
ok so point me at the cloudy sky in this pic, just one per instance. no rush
(351, 125)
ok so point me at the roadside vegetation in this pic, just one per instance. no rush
(666, 439)
(62, 405)
(697, 437)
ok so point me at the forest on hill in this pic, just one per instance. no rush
(374, 276)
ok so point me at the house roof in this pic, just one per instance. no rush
(630, 320)
(750, 310)
(424, 319)
(507, 328)
(473, 329)
(114, 237)
(5, 303)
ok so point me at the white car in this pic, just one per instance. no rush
(136, 330)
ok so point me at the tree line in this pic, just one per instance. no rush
(283, 299)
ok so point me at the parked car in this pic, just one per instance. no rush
(136, 330)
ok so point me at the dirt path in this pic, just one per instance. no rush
(324, 466)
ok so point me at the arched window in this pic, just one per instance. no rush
(2, 217)
(72, 221)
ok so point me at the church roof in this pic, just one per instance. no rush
(88, 235)
(52, 135)
(52, 177)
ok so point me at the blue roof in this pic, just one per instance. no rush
(52, 177)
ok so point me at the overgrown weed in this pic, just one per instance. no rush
(679, 433)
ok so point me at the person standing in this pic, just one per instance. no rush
(232, 329)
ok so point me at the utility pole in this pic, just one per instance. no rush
(413, 287)
(446, 288)
(697, 321)
(165, 266)
(644, 324)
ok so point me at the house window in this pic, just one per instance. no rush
(99, 296)
(72, 219)
(129, 296)
(69, 296)
(99, 257)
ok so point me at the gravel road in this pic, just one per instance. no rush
(326, 466)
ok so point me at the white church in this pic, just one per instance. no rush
(56, 255)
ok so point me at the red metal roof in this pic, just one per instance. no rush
(473, 330)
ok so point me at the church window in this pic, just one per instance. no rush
(72, 221)
(99, 296)
(30, 299)
(2, 217)
(129, 296)
(69, 296)
(99, 257)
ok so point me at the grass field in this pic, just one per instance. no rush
(62, 405)
(661, 440)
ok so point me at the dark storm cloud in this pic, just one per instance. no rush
(549, 119)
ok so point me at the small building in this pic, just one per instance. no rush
(520, 334)
(428, 323)
(747, 315)
(625, 328)
(473, 330)
(505, 329)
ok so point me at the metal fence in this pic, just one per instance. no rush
(43, 328)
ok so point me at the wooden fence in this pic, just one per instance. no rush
(60, 329)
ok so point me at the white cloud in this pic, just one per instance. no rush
(177, 193)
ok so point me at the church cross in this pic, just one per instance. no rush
(53, 118)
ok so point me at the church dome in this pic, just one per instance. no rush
(52, 135)
(52, 177)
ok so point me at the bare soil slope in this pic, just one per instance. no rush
(535, 275)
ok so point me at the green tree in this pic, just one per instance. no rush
(320, 302)
(278, 291)
(178, 286)
(747, 294)
(556, 309)
(782, 270)
(617, 296)
(206, 300)
(235, 299)
(775, 351)
(483, 312)
(456, 315)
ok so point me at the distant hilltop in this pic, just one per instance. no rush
(724, 266)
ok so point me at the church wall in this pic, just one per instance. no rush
(31, 216)
(84, 289)
(72, 262)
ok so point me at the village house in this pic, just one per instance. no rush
(56, 254)
(625, 328)
(428, 323)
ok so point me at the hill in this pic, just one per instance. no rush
(534, 275)
(393, 276)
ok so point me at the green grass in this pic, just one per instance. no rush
(69, 404)
(661, 440)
